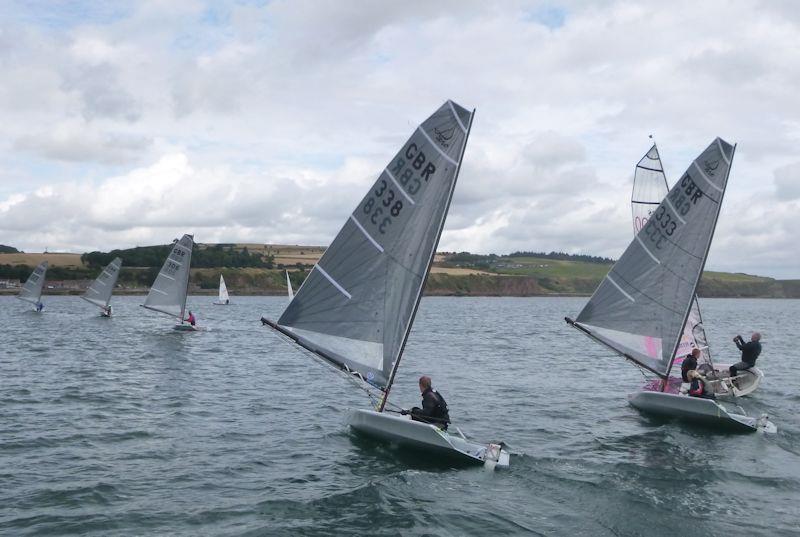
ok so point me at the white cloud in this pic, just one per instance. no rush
(269, 122)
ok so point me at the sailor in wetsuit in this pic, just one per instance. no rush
(434, 407)
(689, 364)
(698, 386)
(750, 352)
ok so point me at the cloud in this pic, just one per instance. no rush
(268, 122)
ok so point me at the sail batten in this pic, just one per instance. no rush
(168, 293)
(103, 287)
(355, 306)
(646, 300)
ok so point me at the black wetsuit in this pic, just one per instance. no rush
(434, 409)
(750, 352)
(689, 363)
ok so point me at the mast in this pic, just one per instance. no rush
(428, 271)
(703, 265)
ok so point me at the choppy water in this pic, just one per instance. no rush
(124, 427)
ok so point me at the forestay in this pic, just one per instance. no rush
(649, 189)
(168, 293)
(32, 288)
(642, 304)
(99, 293)
(223, 290)
(356, 306)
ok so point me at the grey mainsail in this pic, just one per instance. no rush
(99, 293)
(357, 305)
(168, 293)
(32, 288)
(649, 189)
(641, 306)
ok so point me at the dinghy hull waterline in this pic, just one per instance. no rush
(696, 410)
(424, 436)
(185, 328)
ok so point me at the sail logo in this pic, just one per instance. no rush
(710, 166)
(444, 137)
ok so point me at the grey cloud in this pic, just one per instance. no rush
(80, 145)
(787, 182)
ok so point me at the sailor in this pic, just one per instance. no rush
(191, 319)
(107, 310)
(698, 386)
(39, 307)
(434, 407)
(689, 363)
(750, 352)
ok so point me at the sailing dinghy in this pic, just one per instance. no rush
(356, 307)
(32, 288)
(642, 305)
(99, 293)
(168, 293)
(289, 289)
(224, 299)
(649, 189)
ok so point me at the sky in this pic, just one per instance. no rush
(128, 124)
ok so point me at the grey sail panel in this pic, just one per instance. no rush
(356, 304)
(99, 293)
(643, 302)
(649, 188)
(223, 290)
(32, 288)
(168, 292)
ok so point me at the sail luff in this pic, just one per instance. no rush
(462, 152)
(705, 257)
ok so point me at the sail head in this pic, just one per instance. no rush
(356, 305)
(642, 304)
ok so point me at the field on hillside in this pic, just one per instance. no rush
(55, 260)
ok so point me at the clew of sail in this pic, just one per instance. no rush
(643, 303)
(99, 293)
(289, 289)
(168, 293)
(223, 290)
(32, 288)
(649, 189)
(357, 304)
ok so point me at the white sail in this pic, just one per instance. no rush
(223, 291)
(289, 289)
(356, 307)
(32, 288)
(168, 293)
(641, 306)
(649, 189)
(99, 293)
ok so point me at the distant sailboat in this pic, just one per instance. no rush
(224, 299)
(99, 293)
(356, 307)
(169, 290)
(649, 189)
(289, 286)
(32, 288)
(642, 305)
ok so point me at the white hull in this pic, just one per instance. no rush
(186, 328)
(221, 303)
(402, 430)
(696, 410)
(745, 382)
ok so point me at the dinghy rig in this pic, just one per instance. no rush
(31, 291)
(650, 187)
(224, 298)
(355, 309)
(169, 290)
(99, 293)
(641, 308)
